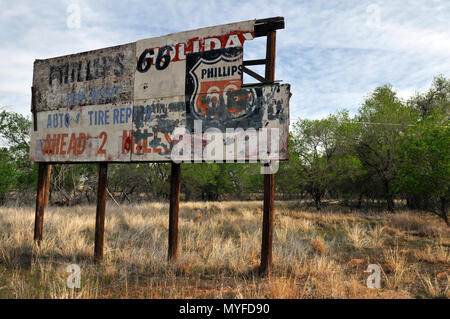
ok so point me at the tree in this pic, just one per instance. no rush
(289, 178)
(383, 119)
(15, 134)
(8, 174)
(319, 145)
(71, 183)
(425, 166)
(435, 104)
(350, 177)
(209, 181)
(436, 99)
(425, 153)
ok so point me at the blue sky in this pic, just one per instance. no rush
(333, 53)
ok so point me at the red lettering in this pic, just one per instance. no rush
(81, 145)
(127, 141)
(234, 38)
(63, 143)
(146, 150)
(47, 145)
(105, 137)
(72, 144)
(138, 147)
(169, 140)
(55, 144)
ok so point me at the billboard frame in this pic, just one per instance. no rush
(263, 27)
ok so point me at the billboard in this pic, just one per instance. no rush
(178, 97)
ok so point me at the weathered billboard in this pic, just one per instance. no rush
(176, 97)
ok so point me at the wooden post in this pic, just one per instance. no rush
(47, 185)
(269, 179)
(44, 174)
(100, 215)
(175, 179)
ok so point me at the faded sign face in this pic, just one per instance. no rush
(81, 134)
(161, 62)
(98, 77)
(129, 102)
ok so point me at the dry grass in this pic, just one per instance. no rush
(434, 254)
(316, 255)
(319, 245)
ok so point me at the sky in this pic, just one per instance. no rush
(333, 53)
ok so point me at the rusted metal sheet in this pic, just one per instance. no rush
(130, 102)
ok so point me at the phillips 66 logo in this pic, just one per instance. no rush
(213, 87)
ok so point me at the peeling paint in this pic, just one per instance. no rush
(125, 103)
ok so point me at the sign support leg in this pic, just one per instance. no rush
(269, 179)
(175, 179)
(44, 174)
(47, 185)
(100, 215)
(267, 230)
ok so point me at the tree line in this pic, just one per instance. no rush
(390, 149)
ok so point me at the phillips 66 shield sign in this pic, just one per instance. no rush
(145, 101)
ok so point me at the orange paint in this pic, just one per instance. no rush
(72, 144)
(57, 143)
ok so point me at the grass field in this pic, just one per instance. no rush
(316, 255)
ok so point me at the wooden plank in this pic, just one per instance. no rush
(93, 133)
(263, 27)
(100, 214)
(267, 229)
(41, 197)
(175, 182)
(47, 184)
(270, 56)
(254, 62)
(269, 179)
(33, 109)
(126, 103)
(166, 76)
(265, 106)
(271, 19)
(97, 77)
(254, 75)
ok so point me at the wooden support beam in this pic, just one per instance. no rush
(254, 75)
(44, 174)
(264, 27)
(269, 179)
(246, 85)
(33, 109)
(267, 229)
(100, 215)
(175, 181)
(47, 185)
(270, 56)
(254, 62)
